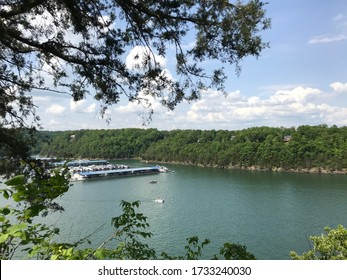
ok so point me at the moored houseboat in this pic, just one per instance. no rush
(116, 173)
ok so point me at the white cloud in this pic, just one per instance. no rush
(45, 22)
(235, 110)
(81, 106)
(253, 100)
(146, 99)
(341, 21)
(339, 87)
(38, 99)
(75, 105)
(55, 109)
(327, 39)
(333, 114)
(105, 20)
(138, 56)
(300, 105)
(138, 59)
(340, 33)
(54, 122)
(131, 107)
(145, 102)
(298, 94)
(338, 17)
(90, 109)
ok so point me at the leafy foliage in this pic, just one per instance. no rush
(193, 250)
(130, 230)
(235, 252)
(329, 246)
(44, 43)
(15, 145)
(31, 194)
(131, 227)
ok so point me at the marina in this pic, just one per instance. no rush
(81, 170)
(116, 173)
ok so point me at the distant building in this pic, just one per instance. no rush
(287, 138)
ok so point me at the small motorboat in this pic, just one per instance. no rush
(159, 200)
(153, 182)
(163, 169)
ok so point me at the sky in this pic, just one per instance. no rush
(300, 80)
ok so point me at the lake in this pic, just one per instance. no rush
(271, 213)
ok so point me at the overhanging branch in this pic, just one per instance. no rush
(20, 7)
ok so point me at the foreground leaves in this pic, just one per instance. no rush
(30, 195)
(329, 246)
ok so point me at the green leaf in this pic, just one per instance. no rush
(5, 211)
(5, 193)
(34, 210)
(24, 236)
(16, 197)
(100, 254)
(16, 228)
(3, 237)
(17, 180)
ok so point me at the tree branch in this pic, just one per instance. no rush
(21, 8)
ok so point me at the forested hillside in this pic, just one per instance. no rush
(307, 147)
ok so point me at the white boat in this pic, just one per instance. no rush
(159, 200)
(77, 177)
(163, 169)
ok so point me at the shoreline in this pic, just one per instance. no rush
(312, 170)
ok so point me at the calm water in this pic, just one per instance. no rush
(270, 213)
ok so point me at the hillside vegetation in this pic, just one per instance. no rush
(306, 148)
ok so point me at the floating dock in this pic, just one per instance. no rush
(117, 173)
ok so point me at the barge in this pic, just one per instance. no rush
(116, 173)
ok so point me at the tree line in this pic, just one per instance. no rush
(269, 148)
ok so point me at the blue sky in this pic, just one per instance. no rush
(301, 79)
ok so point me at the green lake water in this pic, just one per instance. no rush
(270, 213)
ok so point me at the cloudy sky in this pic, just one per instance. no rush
(301, 79)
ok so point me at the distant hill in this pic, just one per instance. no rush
(306, 148)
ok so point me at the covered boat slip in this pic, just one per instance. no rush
(87, 162)
(118, 173)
